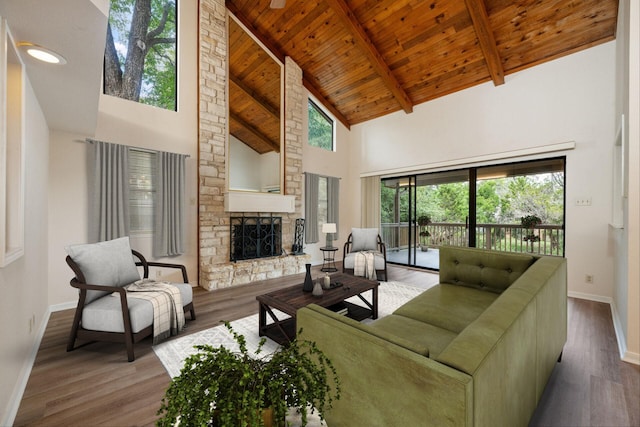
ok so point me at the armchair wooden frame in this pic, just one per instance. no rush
(128, 337)
(382, 248)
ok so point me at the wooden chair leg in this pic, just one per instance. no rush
(74, 329)
(129, 342)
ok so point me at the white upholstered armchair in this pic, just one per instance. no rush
(365, 254)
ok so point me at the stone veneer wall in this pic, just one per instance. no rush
(216, 271)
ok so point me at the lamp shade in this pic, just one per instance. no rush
(329, 227)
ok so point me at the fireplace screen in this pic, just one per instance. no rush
(255, 237)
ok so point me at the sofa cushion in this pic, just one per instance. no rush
(107, 263)
(447, 306)
(364, 239)
(104, 314)
(481, 269)
(422, 334)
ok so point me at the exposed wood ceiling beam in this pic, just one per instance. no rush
(266, 41)
(262, 103)
(255, 132)
(487, 41)
(329, 106)
(342, 10)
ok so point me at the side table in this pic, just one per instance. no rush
(329, 256)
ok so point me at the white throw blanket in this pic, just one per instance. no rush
(364, 264)
(168, 314)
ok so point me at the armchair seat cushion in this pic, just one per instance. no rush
(378, 260)
(104, 314)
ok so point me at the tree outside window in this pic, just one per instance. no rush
(140, 56)
(320, 128)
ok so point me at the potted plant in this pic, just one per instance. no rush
(220, 387)
(529, 223)
(423, 222)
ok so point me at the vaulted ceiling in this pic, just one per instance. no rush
(367, 58)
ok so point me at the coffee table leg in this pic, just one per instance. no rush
(374, 300)
(262, 320)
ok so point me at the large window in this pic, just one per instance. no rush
(321, 128)
(142, 190)
(140, 59)
(516, 207)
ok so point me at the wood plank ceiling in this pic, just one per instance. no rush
(367, 58)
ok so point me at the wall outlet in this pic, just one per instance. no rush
(583, 201)
(158, 274)
(588, 278)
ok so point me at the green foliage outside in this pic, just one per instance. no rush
(501, 201)
(498, 201)
(320, 128)
(150, 79)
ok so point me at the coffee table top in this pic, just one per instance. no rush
(292, 298)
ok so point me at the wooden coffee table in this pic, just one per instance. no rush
(289, 300)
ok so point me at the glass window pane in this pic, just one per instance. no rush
(141, 190)
(320, 128)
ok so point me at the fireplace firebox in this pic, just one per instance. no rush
(255, 237)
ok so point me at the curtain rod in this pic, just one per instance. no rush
(91, 141)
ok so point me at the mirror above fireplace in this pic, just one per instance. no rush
(254, 160)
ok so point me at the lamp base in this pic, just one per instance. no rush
(329, 242)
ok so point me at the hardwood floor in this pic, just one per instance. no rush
(95, 385)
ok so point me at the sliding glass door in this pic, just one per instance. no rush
(421, 213)
(510, 197)
(516, 207)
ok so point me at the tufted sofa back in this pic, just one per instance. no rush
(486, 270)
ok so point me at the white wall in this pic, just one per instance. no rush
(338, 163)
(129, 123)
(24, 281)
(569, 99)
(626, 240)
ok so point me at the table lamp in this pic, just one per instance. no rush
(329, 228)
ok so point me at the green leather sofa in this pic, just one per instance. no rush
(475, 350)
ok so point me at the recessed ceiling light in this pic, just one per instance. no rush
(42, 53)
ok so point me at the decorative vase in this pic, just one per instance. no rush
(317, 290)
(308, 282)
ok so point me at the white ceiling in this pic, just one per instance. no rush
(68, 94)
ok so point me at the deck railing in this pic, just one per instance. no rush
(549, 239)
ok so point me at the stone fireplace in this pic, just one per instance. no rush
(216, 270)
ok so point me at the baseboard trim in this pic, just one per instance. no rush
(63, 306)
(590, 297)
(625, 354)
(25, 372)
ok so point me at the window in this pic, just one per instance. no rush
(321, 128)
(12, 149)
(145, 70)
(485, 207)
(142, 191)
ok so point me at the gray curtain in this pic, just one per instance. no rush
(311, 207)
(168, 239)
(333, 203)
(109, 189)
(370, 213)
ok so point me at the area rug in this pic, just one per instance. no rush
(391, 295)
